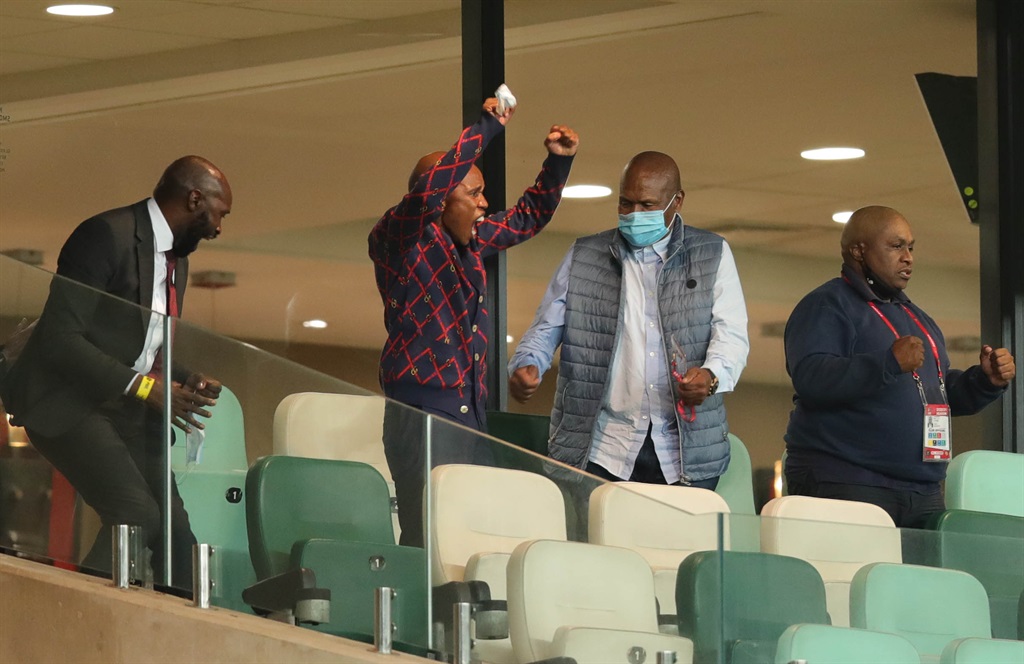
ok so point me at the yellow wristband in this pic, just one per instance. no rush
(145, 387)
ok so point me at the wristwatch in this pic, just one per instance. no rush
(713, 386)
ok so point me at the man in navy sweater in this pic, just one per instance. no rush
(868, 365)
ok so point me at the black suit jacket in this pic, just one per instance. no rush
(86, 341)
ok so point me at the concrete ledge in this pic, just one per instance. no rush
(53, 615)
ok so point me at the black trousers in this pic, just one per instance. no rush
(646, 469)
(114, 459)
(406, 455)
(908, 509)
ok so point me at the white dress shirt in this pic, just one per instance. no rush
(163, 240)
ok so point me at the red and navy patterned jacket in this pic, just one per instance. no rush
(433, 290)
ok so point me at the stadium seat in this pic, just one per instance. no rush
(527, 431)
(736, 485)
(928, 606)
(212, 491)
(735, 605)
(662, 523)
(990, 547)
(824, 644)
(983, 651)
(838, 537)
(585, 601)
(346, 427)
(478, 517)
(334, 518)
(986, 481)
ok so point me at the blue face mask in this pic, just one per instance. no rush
(645, 227)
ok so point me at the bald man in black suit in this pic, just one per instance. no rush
(88, 388)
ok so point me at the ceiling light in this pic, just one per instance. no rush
(842, 217)
(586, 191)
(509, 338)
(316, 324)
(80, 10)
(832, 154)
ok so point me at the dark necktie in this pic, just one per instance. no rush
(172, 309)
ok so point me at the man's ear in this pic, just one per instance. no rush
(857, 251)
(195, 199)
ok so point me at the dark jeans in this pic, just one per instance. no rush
(405, 452)
(908, 509)
(114, 459)
(647, 469)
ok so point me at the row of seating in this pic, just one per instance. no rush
(832, 545)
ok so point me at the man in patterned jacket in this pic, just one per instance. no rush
(428, 256)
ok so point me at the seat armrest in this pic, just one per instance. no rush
(291, 597)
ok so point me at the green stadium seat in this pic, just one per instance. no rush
(825, 644)
(986, 481)
(334, 518)
(990, 547)
(737, 484)
(212, 491)
(735, 605)
(530, 432)
(983, 651)
(928, 606)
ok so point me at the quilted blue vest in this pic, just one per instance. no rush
(685, 299)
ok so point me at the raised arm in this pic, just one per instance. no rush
(537, 205)
(402, 225)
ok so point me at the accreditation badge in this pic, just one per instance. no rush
(938, 445)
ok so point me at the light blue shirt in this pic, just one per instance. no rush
(641, 393)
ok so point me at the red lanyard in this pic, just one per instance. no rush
(931, 342)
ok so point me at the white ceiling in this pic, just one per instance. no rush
(317, 109)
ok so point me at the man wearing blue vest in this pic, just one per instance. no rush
(653, 328)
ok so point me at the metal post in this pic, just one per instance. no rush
(483, 70)
(201, 575)
(165, 507)
(382, 625)
(666, 657)
(121, 560)
(1000, 26)
(136, 560)
(463, 644)
(428, 423)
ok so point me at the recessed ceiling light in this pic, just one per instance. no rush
(832, 154)
(80, 10)
(842, 217)
(509, 338)
(586, 191)
(316, 324)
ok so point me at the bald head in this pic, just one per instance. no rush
(194, 197)
(187, 174)
(425, 163)
(866, 225)
(878, 244)
(654, 166)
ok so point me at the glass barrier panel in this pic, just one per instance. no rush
(291, 473)
(570, 565)
(81, 450)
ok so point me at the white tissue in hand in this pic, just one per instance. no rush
(506, 99)
(194, 445)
